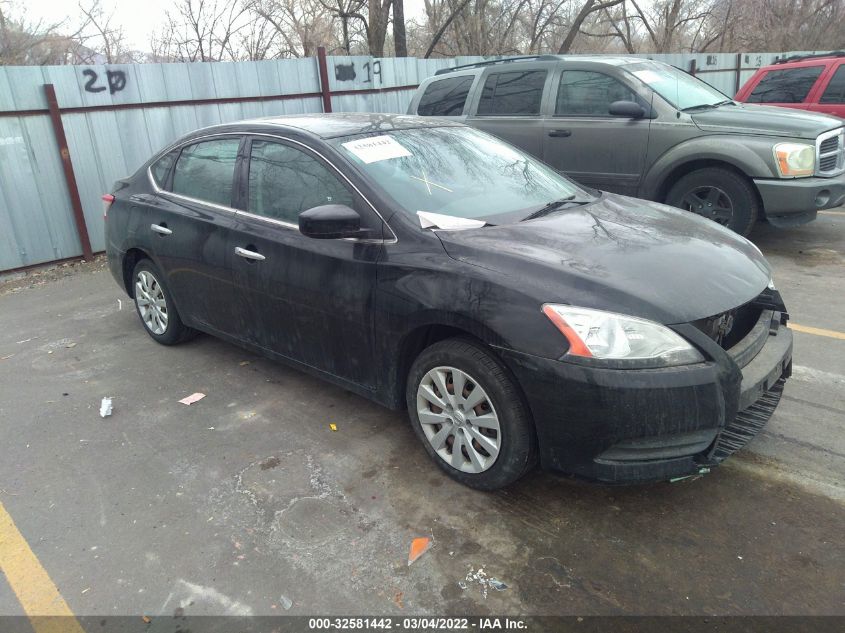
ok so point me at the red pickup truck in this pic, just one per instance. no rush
(806, 82)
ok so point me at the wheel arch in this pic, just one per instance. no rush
(130, 260)
(424, 334)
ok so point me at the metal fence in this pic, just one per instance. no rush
(56, 159)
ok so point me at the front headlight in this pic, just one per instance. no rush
(627, 340)
(795, 159)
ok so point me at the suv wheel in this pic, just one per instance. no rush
(719, 195)
(468, 413)
(155, 306)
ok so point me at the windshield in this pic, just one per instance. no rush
(680, 89)
(457, 171)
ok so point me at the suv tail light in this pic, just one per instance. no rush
(107, 199)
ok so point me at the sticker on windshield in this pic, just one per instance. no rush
(376, 148)
(646, 76)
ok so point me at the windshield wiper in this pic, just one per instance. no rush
(554, 205)
(709, 106)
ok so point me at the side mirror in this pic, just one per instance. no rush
(627, 109)
(330, 222)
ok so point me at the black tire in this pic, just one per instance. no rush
(517, 452)
(174, 331)
(716, 186)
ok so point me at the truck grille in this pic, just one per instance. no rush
(747, 423)
(830, 153)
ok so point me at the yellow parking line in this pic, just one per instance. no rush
(817, 331)
(31, 583)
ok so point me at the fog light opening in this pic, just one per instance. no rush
(822, 198)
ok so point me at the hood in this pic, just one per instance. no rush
(745, 118)
(622, 255)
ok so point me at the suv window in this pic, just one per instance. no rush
(445, 97)
(789, 85)
(517, 93)
(285, 181)
(205, 171)
(835, 91)
(583, 92)
(161, 168)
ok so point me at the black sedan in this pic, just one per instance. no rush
(519, 317)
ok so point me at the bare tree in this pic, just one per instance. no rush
(300, 26)
(200, 30)
(400, 39)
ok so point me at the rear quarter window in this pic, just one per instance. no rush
(160, 169)
(445, 97)
(789, 85)
(835, 91)
(513, 93)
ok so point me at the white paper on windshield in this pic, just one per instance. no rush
(447, 222)
(646, 76)
(376, 148)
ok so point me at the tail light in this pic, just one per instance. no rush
(107, 199)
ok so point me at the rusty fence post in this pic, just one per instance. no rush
(324, 78)
(67, 167)
(738, 73)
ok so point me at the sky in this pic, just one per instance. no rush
(140, 18)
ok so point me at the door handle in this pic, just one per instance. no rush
(560, 133)
(242, 252)
(161, 230)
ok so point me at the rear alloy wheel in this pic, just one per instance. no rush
(719, 195)
(467, 410)
(155, 306)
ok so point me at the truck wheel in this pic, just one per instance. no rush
(470, 416)
(717, 194)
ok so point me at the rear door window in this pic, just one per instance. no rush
(835, 91)
(445, 97)
(588, 93)
(285, 181)
(790, 85)
(205, 171)
(512, 93)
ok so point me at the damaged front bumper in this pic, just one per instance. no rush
(629, 426)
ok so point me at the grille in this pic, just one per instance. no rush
(748, 423)
(730, 327)
(830, 153)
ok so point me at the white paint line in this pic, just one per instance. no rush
(211, 595)
(808, 374)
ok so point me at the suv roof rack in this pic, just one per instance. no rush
(491, 62)
(797, 58)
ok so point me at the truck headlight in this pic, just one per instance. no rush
(795, 159)
(626, 340)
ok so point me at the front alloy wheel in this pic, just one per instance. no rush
(470, 415)
(458, 419)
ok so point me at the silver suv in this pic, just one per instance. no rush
(647, 129)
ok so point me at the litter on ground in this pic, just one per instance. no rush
(105, 407)
(419, 546)
(333, 427)
(483, 580)
(194, 397)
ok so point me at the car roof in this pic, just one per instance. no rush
(611, 60)
(328, 126)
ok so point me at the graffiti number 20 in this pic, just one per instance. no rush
(116, 80)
